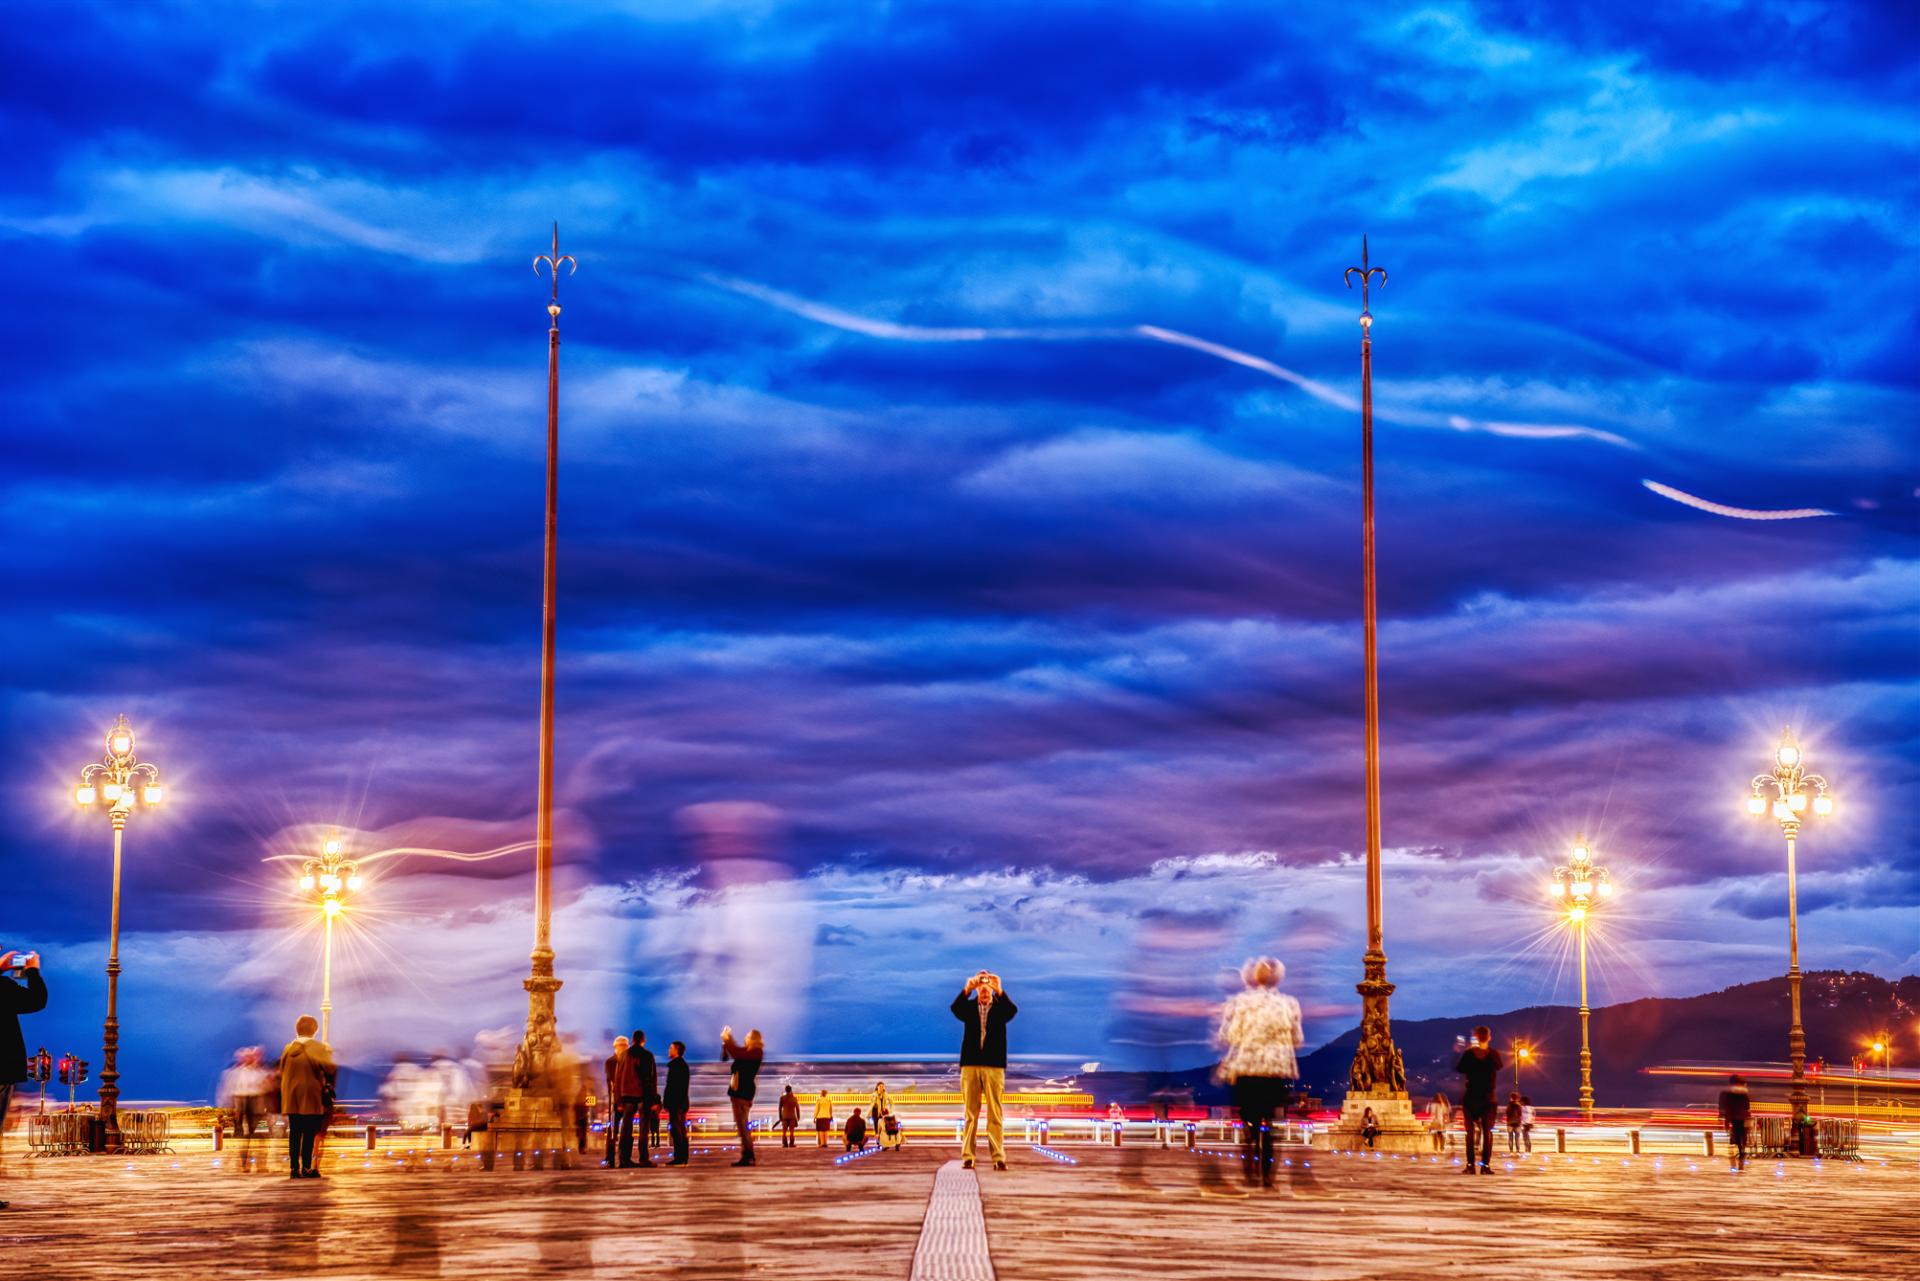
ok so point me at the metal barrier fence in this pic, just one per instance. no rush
(60, 1133)
(1834, 1136)
(145, 1133)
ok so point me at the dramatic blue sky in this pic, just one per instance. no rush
(960, 503)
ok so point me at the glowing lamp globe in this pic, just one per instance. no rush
(1798, 802)
(1756, 805)
(153, 793)
(84, 795)
(1823, 804)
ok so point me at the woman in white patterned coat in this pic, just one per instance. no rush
(1260, 1031)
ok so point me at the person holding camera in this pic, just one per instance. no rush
(1480, 1064)
(984, 1009)
(16, 1000)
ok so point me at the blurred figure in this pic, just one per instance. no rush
(1261, 1033)
(1369, 1127)
(789, 1116)
(306, 1089)
(746, 1061)
(1526, 1122)
(678, 1099)
(1439, 1117)
(984, 1010)
(243, 1091)
(1514, 1115)
(856, 1131)
(1736, 1106)
(16, 1000)
(823, 1116)
(1480, 1064)
(745, 943)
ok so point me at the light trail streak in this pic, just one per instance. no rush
(1737, 513)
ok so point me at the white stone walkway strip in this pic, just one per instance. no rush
(953, 1236)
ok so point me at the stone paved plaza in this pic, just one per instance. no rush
(1083, 1212)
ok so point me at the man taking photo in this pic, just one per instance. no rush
(16, 998)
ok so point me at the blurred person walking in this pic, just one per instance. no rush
(1736, 1106)
(823, 1116)
(1439, 1117)
(678, 1099)
(1526, 1122)
(1515, 1115)
(746, 1059)
(984, 1009)
(243, 1091)
(1480, 1064)
(16, 999)
(1260, 1030)
(306, 1095)
(789, 1116)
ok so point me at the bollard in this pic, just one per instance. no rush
(1193, 1136)
(1559, 1140)
(1706, 1141)
(370, 1138)
(1165, 1142)
(446, 1136)
(1044, 1127)
(1117, 1127)
(1634, 1137)
(219, 1136)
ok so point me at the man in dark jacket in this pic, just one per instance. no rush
(1736, 1106)
(639, 1099)
(1480, 1064)
(984, 1010)
(614, 1067)
(16, 1000)
(677, 1099)
(306, 1087)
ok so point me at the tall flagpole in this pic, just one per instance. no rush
(1377, 1073)
(536, 1052)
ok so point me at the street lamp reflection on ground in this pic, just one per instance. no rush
(117, 782)
(1789, 795)
(1580, 886)
(329, 878)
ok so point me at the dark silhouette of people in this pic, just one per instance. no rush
(856, 1131)
(746, 1059)
(1480, 1064)
(306, 1088)
(789, 1116)
(15, 1000)
(1736, 1107)
(639, 1086)
(677, 1099)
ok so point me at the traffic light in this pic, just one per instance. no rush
(40, 1066)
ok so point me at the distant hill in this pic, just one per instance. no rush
(1742, 1024)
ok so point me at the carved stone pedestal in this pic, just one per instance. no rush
(529, 1131)
(1400, 1130)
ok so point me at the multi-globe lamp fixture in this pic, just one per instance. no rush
(119, 782)
(1580, 885)
(1790, 795)
(328, 878)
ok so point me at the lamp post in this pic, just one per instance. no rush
(1521, 1054)
(1787, 794)
(1580, 885)
(116, 782)
(329, 878)
(1377, 1067)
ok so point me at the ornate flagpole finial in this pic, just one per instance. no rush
(553, 261)
(1367, 271)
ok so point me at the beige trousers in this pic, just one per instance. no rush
(976, 1084)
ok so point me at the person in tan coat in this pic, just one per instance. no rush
(306, 1087)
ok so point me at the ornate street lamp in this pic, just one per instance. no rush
(329, 878)
(1580, 886)
(1790, 795)
(117, 782)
